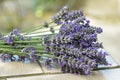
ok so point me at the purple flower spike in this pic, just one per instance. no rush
(99, 30)
(9, 40)
(15, 31)
(21, 37)
(48, 63)
(6, 57)
(33, 57)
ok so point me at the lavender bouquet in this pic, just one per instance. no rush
(75, 48)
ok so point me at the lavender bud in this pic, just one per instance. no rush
(9, 40)
(99, 30)
(15, 31)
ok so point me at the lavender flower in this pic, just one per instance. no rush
(99, 30)
(76, 46)
(28, 49)
(33, 57)
(48, 63)
(15, 31)
(6, 57)
(9, 40)
(22, 37)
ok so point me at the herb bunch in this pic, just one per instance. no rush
(75, 48)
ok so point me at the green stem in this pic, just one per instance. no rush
(34, 41)
(42, 32)
(23, 42)
(18, 52)
(36, 28)
(42, 35)
(10, 51)
(38, 47)
(41, 47)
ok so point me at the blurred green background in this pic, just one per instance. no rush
(25, 14)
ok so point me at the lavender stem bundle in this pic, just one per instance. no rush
(75, 48)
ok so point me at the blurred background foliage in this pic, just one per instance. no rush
(25, 14)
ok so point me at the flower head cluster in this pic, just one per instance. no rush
(76, 47)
